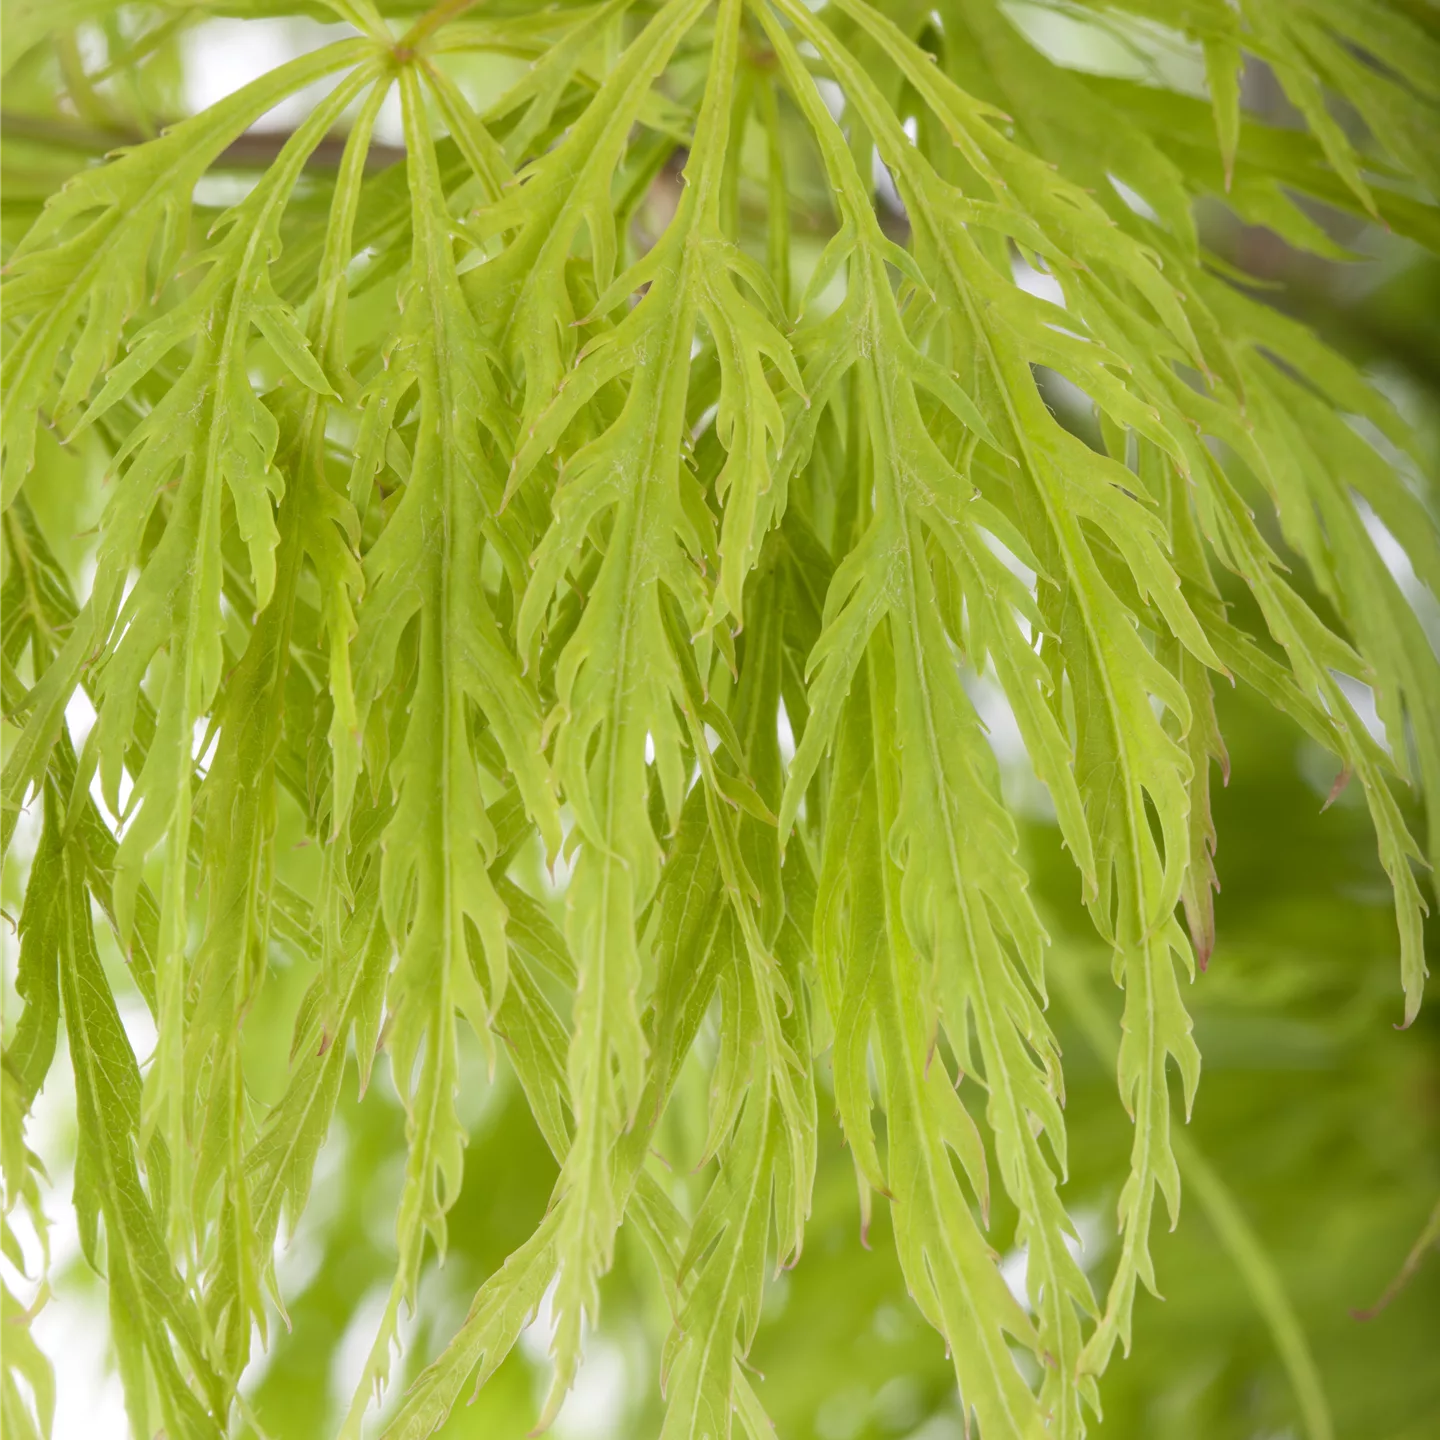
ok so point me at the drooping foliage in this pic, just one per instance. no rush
(588, 524)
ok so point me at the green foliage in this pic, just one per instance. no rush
(491, 516)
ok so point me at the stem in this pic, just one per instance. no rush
(438, 15)
(254, 150)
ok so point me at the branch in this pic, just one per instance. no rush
(255, 150)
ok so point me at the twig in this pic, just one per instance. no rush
(255, 150)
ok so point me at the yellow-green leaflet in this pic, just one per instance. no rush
(619, 555)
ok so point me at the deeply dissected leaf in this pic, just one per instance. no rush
(589, 525)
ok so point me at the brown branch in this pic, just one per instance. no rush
(255, 150)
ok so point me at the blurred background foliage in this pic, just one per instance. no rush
(1318, 1123)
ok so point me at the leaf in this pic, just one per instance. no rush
(151, 1311)
(439, 842)
(589, 572)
